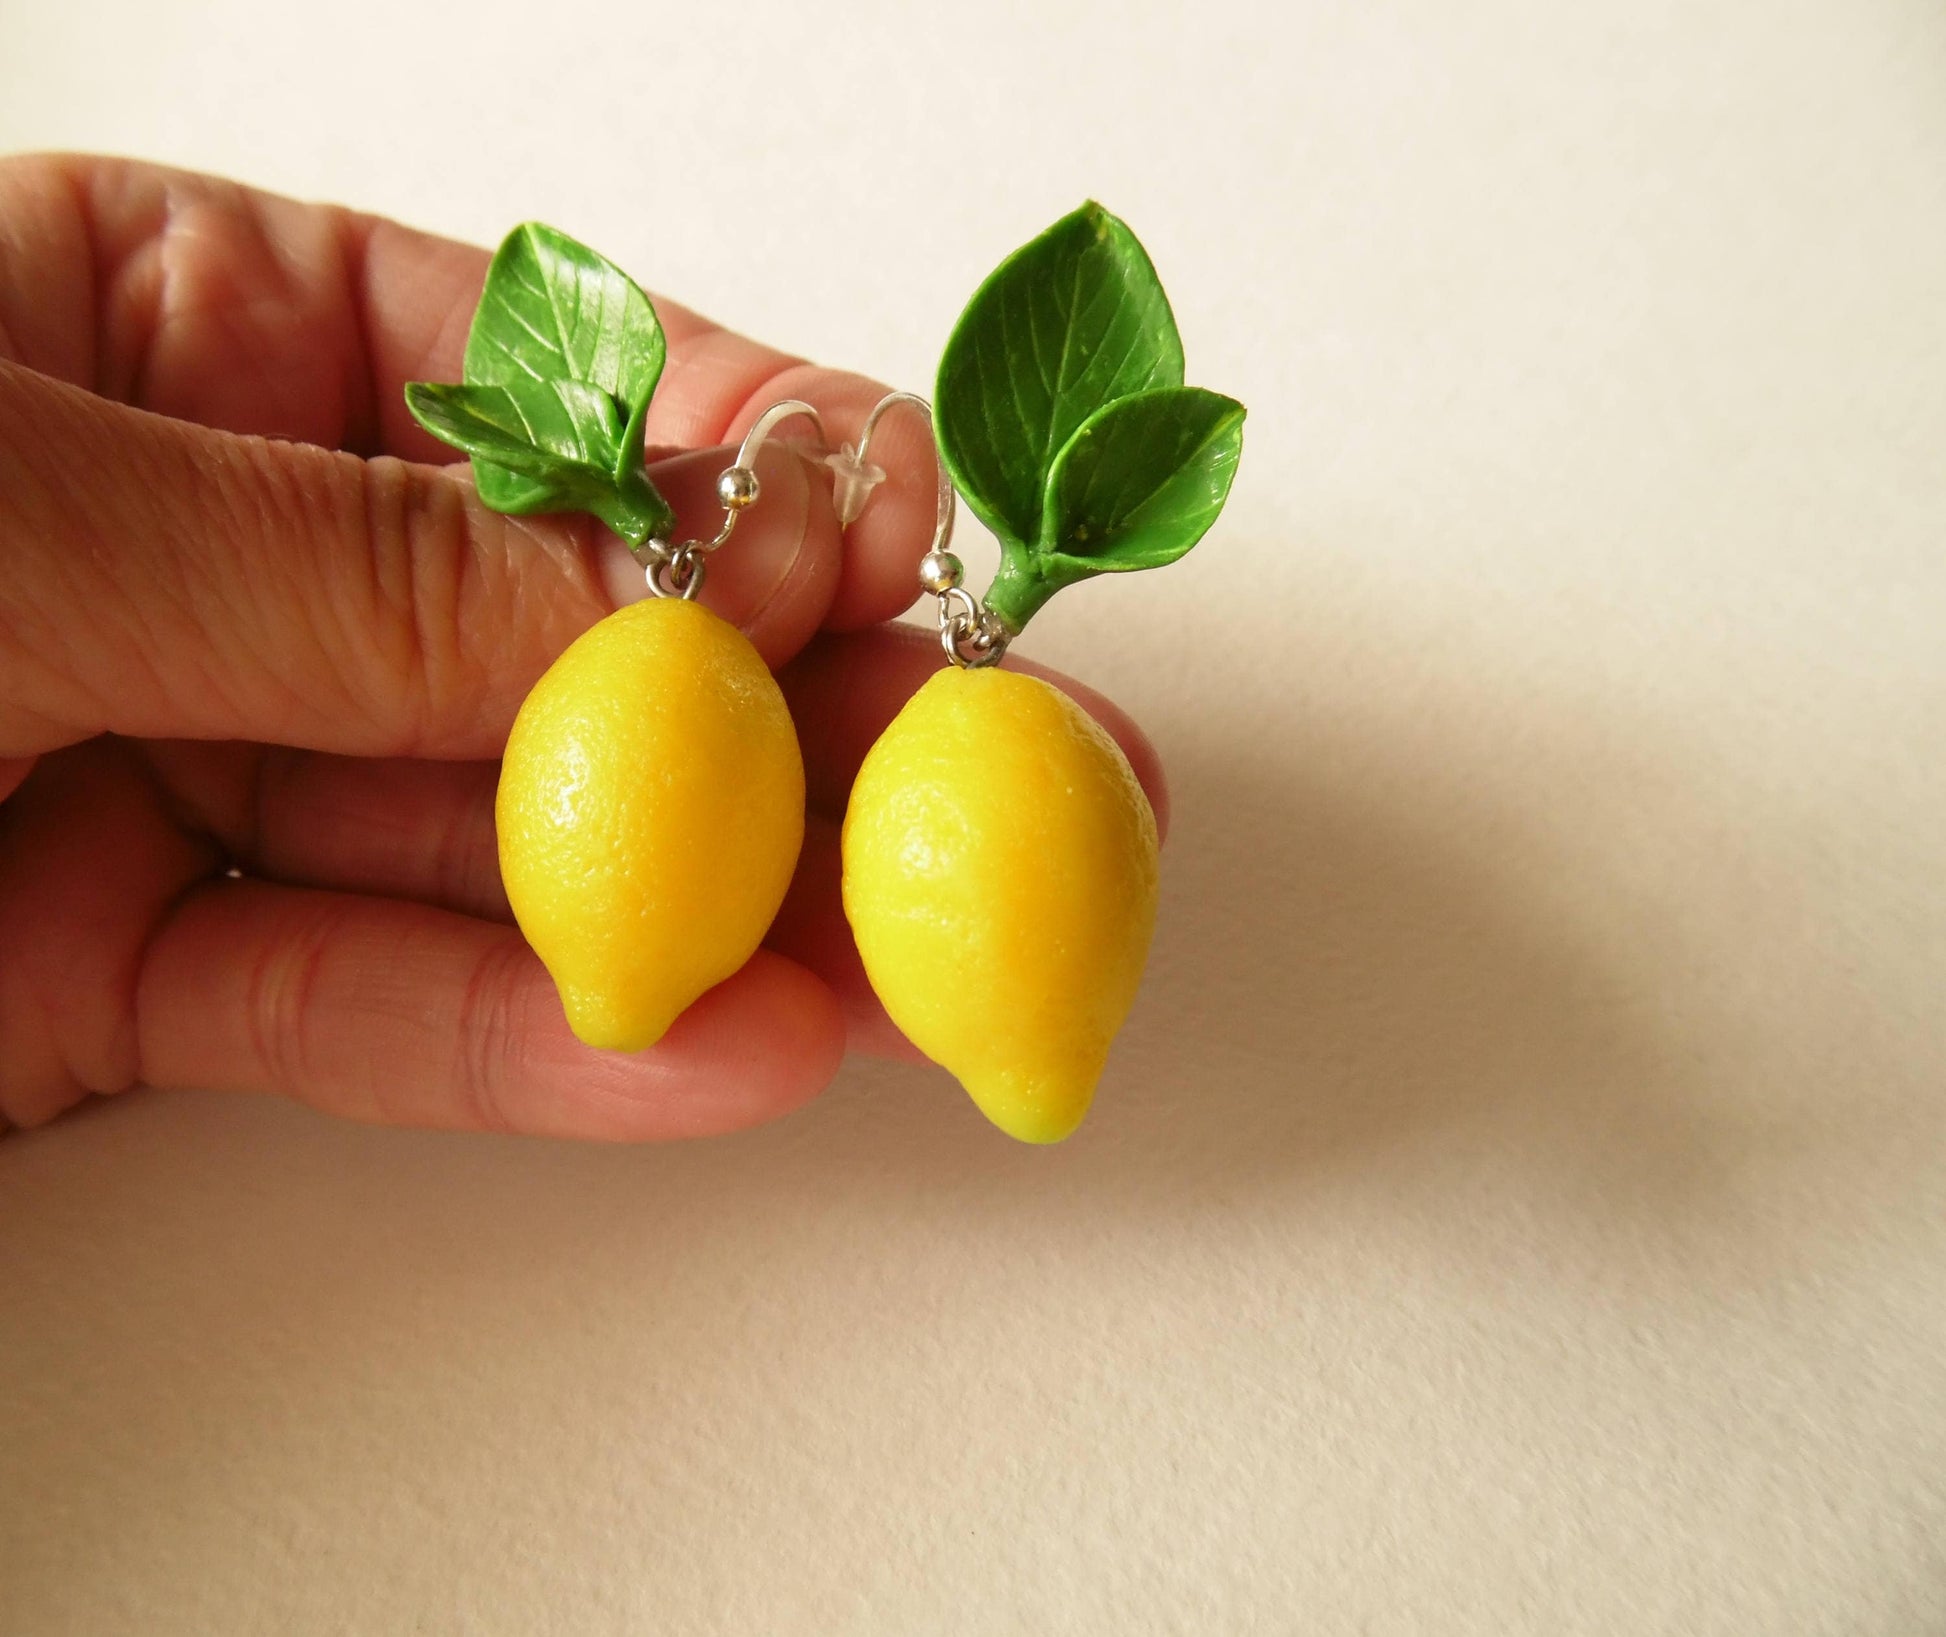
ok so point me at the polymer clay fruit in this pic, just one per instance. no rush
(999, 856)
(1000, 878)
(650, 812)
(651, 801)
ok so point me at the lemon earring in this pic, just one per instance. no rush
(1000, 857)
(1000, 870)
(651, 800)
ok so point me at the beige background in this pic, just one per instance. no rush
(1519, 1204)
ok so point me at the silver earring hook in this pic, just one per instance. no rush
(850, 459)
(677, 571)
(970, 635)
(764, 425)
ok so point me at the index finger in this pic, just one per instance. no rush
(238, 309)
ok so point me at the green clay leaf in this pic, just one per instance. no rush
(554, 310)
(1067, 324)
(531, 429)
(549, 446)
(1140, 482)
(563, 356)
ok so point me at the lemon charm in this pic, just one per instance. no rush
(650, 812)
(1000, 878)
(1000, 859)
(651, 799)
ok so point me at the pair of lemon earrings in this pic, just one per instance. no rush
(1000, 858)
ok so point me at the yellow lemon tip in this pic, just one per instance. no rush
(1041, 1117)
(594, 1023)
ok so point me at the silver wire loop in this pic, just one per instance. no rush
(957, 605)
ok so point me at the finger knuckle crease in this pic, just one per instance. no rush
(281, 1002)
(486, 1026)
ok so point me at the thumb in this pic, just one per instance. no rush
(167, 580)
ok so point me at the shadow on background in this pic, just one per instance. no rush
(1336, 974)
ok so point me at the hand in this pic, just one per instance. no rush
(256, 662)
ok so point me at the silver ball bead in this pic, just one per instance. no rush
(737, 487)
(940, 572)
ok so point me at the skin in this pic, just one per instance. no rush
(251, 619)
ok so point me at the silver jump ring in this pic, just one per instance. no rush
(971, 641)
(680, 573)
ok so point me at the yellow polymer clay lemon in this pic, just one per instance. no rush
(650, 812)
(1000, 867)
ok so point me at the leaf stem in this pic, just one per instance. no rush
(1018, 589)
